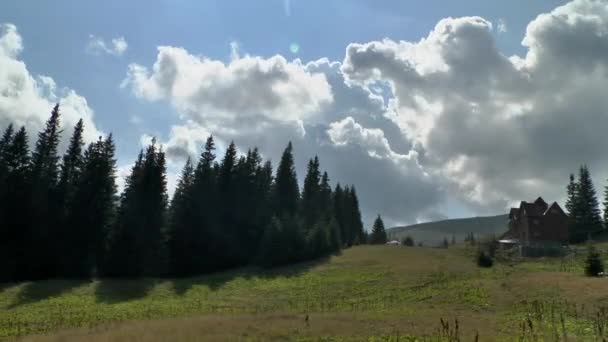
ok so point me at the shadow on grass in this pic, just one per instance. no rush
(36, 291)
(116, 290)
(216, 280)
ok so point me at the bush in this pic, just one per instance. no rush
(593, 263)
(407, 241)
(484, 259)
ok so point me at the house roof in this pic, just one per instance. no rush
(554, 205)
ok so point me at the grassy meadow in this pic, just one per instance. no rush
(370, 293)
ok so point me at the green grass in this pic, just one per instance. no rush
(368, 293)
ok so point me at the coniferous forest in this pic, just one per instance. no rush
(61, 216)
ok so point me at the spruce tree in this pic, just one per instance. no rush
(181, 249)
(44, 214)
(286, 192)
(137, 247)
(311, 194)
(14, 209)
(587, 219)
(339, 211)
(225, 241)
(357, 232)
(204, 224)
(5, 142)
(91, 211)
(378, 235)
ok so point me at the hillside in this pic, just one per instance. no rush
(377, 293)
(433, 233)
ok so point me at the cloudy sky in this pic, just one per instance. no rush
(432, 109)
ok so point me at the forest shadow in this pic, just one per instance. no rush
(217, 280)
(36, 291)
(116, 290)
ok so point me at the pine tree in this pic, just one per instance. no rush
(137, 247)
(587, 219)
(378, 235)
(225, 241)
(286, 192)
(91, 211)
(43, 247)
(180, 227)
(69, 177)
(357, 232)
(5, 142)
(339, 210)
(14, 208)
(204, 224)
(311, 194)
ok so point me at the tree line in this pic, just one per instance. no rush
(63, 216)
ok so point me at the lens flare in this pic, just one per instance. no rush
(294, 48)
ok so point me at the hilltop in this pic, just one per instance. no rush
(433, 233)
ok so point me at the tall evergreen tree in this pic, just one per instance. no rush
(311, 193)
(14, 209)
(205, 206)
(286, 191)
(587, 219)
(378, 235)
(43, 247)
(138, 247)
(180, 224)
(71, 167)
(339, 210)
(5, 142)
(357, 232)
(91, 211)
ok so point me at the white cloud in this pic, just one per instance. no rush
(250, 92)
(27, 99)
(498, 128)
(116, 46)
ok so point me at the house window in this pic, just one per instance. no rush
(536, 222)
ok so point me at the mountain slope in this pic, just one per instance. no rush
(433, 233)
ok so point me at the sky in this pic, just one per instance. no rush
(433, 109)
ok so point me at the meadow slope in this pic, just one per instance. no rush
(367, 293)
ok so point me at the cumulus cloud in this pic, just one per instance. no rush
(27, 99)
(116, 46)
(249, 92)
(498, 127)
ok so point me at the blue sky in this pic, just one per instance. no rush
(56, 36)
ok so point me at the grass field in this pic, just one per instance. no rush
(370, 293)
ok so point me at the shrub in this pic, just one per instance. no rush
(484, 259)
(593, 262)
(407, 241)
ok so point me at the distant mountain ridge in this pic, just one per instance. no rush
(433, 233)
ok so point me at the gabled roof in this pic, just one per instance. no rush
(556, 206)
(540, 200)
